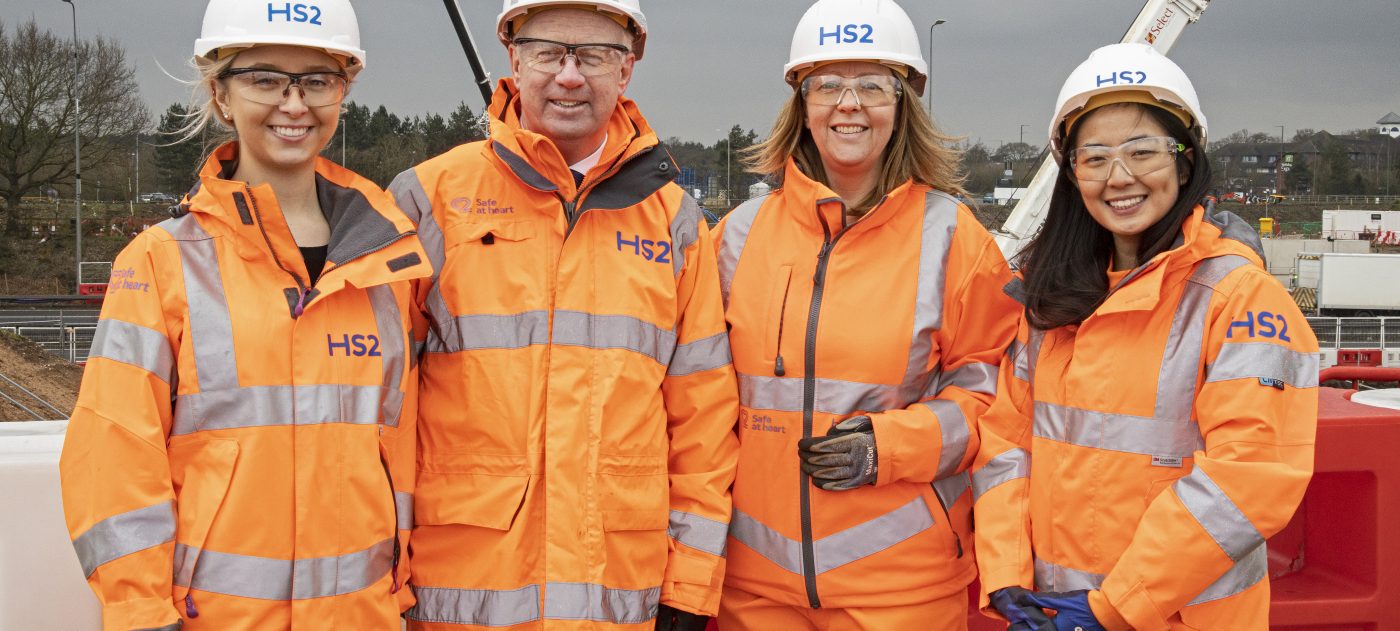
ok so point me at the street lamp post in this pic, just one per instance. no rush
(1278, 168)
(77, 159)
(1023, 133)
(928, 91)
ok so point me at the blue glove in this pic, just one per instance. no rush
(842, 460)
(1021, 617)
(1072, 612)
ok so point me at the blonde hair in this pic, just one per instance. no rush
(917, 150)
(204, 109)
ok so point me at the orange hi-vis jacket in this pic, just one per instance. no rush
(898, 315)
(576, 435)
(241, 456)
(1150, 450)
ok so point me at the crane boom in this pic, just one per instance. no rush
(1159, 24)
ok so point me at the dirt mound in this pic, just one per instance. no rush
(53, 379)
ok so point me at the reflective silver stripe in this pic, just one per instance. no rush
(1117, 432)
(1218, 514)
(951, 488)
(974, 377)
(414, 201)
(956, 435)
(487, 331)
(590, 601)
(281, 579)
(597, 331)
(211, 328)
(685, 231)
(936, 242)
(134, 345)
(768, 543)
(391, 347)
(403, 508)
(169, 627)
(736, 233)
(1017, 352)
(1036, 338)
(444, 331)
(1246, 573)
(1057, 578)
(266, 406)
(482, 607)
(1256, 360)
(701, 355)
(784, 394)
(1181, 359)
(126, 533)
(1005, 467)
(702, 533)
(837, 549)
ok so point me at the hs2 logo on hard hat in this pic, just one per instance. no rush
(289, 12)
(846, 34)
(1126, 77)
(354, 345)
(654, 251)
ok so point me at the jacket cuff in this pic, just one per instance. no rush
(693, 582)
(142, 613)
(1108, 616)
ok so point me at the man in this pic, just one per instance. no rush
(578, 401)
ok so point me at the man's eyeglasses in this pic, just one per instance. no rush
(592, 60)
(871, 90)
(271, 87)
(1094, 163)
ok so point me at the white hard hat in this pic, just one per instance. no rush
(328, 25)
(850, 30)
(1127, 68)
(630, 9)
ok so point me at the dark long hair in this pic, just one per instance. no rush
(1064, 264)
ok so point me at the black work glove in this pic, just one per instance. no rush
(671, 619)
(1072, 612)
(1022, 617)
(842, 460)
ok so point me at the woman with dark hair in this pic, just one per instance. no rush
(1155, 421)
(867, 321)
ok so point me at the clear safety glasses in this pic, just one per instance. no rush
(1094, 163)
(871, 90)
(271, 87)
(592, 60)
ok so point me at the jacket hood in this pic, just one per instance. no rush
(366, 226)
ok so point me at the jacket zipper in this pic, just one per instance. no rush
(302, 290)
(571, 205)
(778, 369)
(394, 502)
(948, 519)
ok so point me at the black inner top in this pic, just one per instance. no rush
(315, 259)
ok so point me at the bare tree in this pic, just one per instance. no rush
(37, 117)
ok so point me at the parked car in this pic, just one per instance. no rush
(157, 198)
(989, 199)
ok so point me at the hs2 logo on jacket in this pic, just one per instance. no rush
(654, 251)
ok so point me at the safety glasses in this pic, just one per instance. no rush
(548, 56)
(1094, 163)
(271, 87)
(871, 90)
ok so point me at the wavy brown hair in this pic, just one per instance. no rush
(917, 150)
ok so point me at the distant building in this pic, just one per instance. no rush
(1245, 165)
(1390, 125)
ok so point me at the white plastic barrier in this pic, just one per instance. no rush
(41, 584)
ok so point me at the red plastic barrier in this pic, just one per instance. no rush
(1359, 357)
(1336, 566)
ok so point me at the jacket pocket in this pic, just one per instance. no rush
(487, 232)
(635, 493)
(471, 499)
(201, 472)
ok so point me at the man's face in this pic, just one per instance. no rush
(568, 106)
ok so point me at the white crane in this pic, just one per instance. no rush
(1159, 24)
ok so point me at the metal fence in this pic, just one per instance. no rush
(1356, 333)
(63, 332)
(1344, 199)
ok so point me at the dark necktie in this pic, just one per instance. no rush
(578, 177)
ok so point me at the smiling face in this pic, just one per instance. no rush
(1123, 204)
(285, 136)
(851, 138)
(571, 109)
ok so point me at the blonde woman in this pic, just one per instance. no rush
(867, 322)
(241, 455)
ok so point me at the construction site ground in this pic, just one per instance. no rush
(47, 376)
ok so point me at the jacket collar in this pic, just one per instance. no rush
(371, 240)
(537, 163)
(1202, 236)
(819, 208)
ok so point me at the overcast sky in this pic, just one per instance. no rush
(998, 64)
